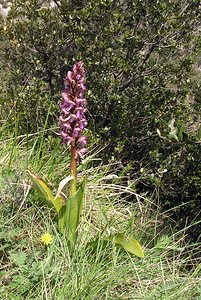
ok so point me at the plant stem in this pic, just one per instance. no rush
(72, 203)
(73, 168)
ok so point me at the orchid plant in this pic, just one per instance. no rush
(72, 124)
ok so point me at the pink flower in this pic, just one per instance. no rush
(72, 119)
(82, 141)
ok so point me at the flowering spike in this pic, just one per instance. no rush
(72, 119)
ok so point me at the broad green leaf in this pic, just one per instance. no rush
(131, 244)
(41, 186)
(72, 217)
(46, 192)
(73, 211)
(58, 203)
(80, 197)
(62, 218)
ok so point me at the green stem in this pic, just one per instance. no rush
(72, 204)
(73, 168)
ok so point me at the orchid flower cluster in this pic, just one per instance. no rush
(72, 119)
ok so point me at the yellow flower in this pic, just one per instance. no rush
(46, 239)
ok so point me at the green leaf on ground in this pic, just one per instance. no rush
(131, 244)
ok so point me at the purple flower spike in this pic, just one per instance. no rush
(72, 119)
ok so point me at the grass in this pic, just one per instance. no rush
(29, 270)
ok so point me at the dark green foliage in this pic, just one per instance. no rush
(142, 61)
(174, 174)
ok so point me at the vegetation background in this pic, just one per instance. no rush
(144, 93)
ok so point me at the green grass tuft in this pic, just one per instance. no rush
(30, 270)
